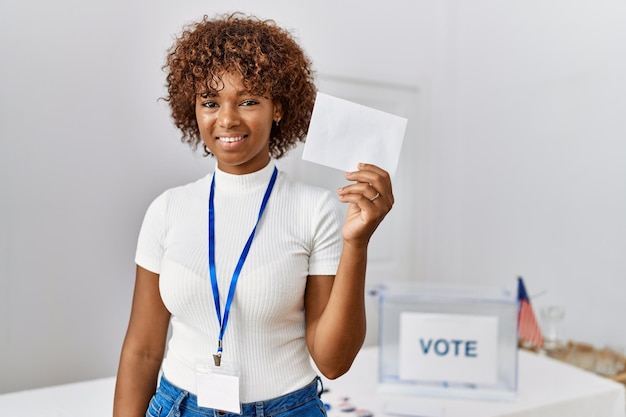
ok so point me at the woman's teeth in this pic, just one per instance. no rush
(230, 140)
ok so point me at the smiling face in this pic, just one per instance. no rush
(235, 125)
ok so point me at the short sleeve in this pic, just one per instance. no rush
(327, 243)
(150, 242)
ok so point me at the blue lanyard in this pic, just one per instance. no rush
(223, 322)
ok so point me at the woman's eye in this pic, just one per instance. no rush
(210, 104)
(249, 102)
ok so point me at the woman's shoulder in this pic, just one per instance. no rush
(308, 196)
(186, 191)
(294, 185)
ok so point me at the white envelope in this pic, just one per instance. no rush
(343, 133)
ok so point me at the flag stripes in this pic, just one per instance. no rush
(528, 328)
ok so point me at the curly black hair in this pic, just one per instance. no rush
(268, 59)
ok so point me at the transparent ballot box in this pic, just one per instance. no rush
(448, 340)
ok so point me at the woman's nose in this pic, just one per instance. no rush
(228, 116)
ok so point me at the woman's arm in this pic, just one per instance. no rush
(143, 348)
(335, 307)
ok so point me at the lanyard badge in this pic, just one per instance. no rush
(223, 320)
(217, 385)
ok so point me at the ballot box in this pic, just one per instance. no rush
(448, 340)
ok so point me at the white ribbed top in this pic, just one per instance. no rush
(298, 235)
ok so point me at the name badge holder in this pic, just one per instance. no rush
(448, 341)
(218, 386)
(218, 381)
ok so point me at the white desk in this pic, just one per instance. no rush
(82, 399)
(547, 388)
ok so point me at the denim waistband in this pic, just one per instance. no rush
(185, 399)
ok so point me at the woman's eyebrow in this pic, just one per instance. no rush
(241, 93)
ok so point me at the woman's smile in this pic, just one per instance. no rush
(232, 139)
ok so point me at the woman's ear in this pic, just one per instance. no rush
(278, 112)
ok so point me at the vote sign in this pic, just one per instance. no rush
(448, 348)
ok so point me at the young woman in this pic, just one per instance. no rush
(255, 273)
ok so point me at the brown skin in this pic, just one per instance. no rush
(143, 348)
(213, 96)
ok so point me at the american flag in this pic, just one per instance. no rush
(528, 328)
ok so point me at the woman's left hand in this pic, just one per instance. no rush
(370, 199)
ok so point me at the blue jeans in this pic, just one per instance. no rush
(171, 401)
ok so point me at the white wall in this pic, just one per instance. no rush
(528, 156)
(520, 165)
